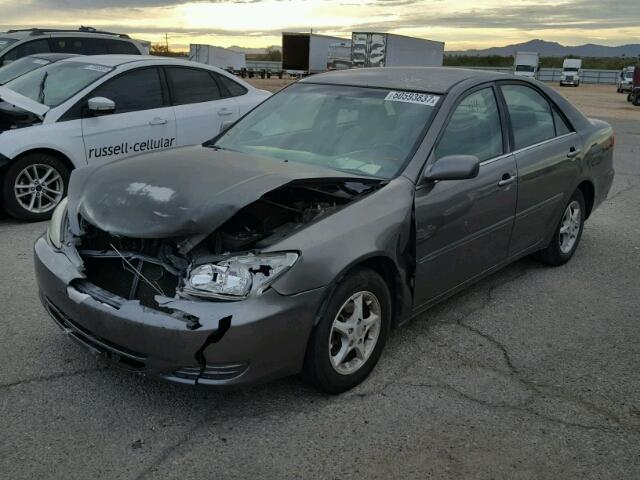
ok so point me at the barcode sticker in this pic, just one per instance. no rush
(413, 97)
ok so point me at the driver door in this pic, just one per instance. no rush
(142, 122)
(463, 227)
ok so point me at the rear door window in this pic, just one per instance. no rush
(132, 91)
(78, 45)
(192, 85)
(530, 113)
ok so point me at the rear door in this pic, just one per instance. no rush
(142, 122)
(546, 150)
(200, 109)
(463, 227)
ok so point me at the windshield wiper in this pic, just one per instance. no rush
(43, 82)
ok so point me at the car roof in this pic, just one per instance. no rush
(117, 60)
(425, 79)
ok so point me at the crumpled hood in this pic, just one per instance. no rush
(180, 192)
(23, 102)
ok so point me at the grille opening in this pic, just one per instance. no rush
(144, 272)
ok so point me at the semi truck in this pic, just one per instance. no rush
(624, 81)
(372, 49)
(571, 69)
(220, 57)
(526, 64)
(306, 53)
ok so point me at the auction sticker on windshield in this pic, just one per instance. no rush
(413, 97)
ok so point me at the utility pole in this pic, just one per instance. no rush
(166, 41)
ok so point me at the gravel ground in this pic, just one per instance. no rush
(533, 373)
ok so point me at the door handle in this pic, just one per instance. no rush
(158, 121)
(507, 179)
(573, 152)
(224, 112)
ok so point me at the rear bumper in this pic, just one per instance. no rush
(233, 343)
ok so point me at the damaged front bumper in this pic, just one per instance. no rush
(186, 341)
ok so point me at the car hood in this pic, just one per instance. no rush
(23, 102)
(178, 193)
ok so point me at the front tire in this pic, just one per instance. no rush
(348, 341)
(567, 235)
(33, 186)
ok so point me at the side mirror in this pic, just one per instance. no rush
(101, 106)
(453, 167)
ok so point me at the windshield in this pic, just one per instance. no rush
(57, 82)
(5, 42)
(628, 74)
(365, 131)
(524, 68)
(570, 69)
(20, 67)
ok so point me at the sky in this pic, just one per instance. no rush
(461, 24)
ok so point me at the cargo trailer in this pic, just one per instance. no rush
(218, 57)
(306, 53)
(370, 49)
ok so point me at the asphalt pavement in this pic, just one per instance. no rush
(534, 373)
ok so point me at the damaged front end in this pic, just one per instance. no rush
(224, 265)
(216, 286)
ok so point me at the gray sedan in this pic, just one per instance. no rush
(340, 208)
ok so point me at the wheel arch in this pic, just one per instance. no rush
(48, 151)
(384, 266)
(588, 192)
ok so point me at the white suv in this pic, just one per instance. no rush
(96, 109)
(16, 44)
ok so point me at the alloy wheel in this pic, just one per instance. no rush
(570, 227)
(355, 332)
(38, 188)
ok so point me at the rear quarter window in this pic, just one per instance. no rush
(234, 88)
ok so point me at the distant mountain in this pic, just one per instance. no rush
(554, 49)
(254, 51)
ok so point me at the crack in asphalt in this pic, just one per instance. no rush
(55, 376)
(170, 449)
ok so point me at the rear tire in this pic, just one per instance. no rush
(33, 186)
(345, 345)
(636, 100)
(567, 235)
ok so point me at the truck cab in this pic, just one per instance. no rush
(571, 70)
(624, 81)
(526, 64)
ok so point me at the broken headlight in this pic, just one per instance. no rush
(58, 224)
(238, 277)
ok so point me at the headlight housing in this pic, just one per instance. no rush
(238, 277)
(58, 224)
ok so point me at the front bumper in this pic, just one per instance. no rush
(235, 343)
(573, 81)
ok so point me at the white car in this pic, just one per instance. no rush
(97, 109)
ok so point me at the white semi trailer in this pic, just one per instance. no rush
(218, 57)
(372, 49)
(306, 53)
